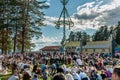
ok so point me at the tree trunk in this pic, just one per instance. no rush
(15, 37)
(2, 42)
(23, 26)
(3, 28)
(23, 38)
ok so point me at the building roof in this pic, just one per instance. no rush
(50, 48)
(92, 44)
(98, 44)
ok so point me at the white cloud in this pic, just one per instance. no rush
(97, 13)
(45, 41)
(50, 20)
(49, 40)
(48, 2)
(93, 14)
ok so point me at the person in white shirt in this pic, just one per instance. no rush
(79, 62)
(109, 68)
(20, 65)
(74, 69)
(83, 75)
(4, 72)
(28, 71)
(14, 76)
(69, 76)
(76, 76)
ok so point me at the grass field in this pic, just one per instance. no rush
(4, 77)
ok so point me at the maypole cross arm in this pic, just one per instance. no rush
(64, 18)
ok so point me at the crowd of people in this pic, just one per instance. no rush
(54, 66)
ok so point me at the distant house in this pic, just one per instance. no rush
(50, 49)
(72, 45)
(90, 47)
(98, 47)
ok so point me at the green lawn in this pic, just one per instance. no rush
(4, 77)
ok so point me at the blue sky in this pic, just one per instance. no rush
(84, 13)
